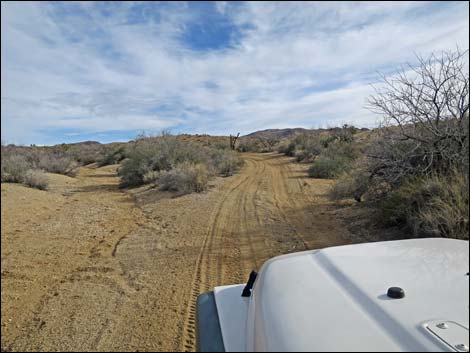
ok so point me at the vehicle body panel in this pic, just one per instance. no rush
(335, 299)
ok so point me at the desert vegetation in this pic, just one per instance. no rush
(174, 164)
(412, 171)
(415, 168)
(27, 165)
(330, 152)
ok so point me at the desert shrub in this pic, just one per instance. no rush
(158, 159)
(249, 144)
(114, 156)
(229, 166)
(344, 134)
(55, 163)
(85, 153)
(14, 167)
(151, 177)
(161, 153)
(221, 146)
(351, 184)
(36, 179)
(326, 140)
(309, 147)
(288, 150)
(345, 151)
(184, 178)
(133, 169)
(224, 162)
(433, 205)
(327, 168)
(425, 118)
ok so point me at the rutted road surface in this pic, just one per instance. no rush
(86, 266)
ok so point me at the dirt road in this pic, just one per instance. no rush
(86, 266)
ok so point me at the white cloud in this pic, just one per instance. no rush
(295, 64)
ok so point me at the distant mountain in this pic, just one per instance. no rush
(288, 133)
(87, 143)
(277, 133)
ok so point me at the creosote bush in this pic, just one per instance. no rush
(113, 156)
(158, 159)
(184, 178)
(326, 168)
(415, 170)
(430, 206)
(14, 168)
(36, 179)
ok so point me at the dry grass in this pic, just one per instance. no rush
(36, 179)
(430, 206)
(158, 159)
(184, 178)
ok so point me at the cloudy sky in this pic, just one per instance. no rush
(107, 71)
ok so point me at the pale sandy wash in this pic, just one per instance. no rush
(89, 267)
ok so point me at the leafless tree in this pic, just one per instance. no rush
(426, 118)
(233, 141)
(268, 143)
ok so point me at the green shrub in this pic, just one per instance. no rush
(290, 150)
(148, 156)
(151, 177)
(160, 153)
(113, 157)
(224, 162)
(350, 185)
(325, 168)
(36, 179)
(436, 205)
(309, 148)
(184, 178)
(84, 153)
(133, 169)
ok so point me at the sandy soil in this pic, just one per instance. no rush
(86, 266)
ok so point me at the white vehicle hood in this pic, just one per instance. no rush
(336, 300)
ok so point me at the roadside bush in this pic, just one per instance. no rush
(229, 166)
(327, 168)
(184, 178)
(133, 169)
(352, 184)
(160, 153)
(14, 168)
(36, 179)
(55, 163)
(148, 156)
(85, 153)
(249, 144)
(113, 157)
(430, 206)
(225, 162)
(345, 151)
(290, 150)
(425, 119)
(151, 177)
(309, 147)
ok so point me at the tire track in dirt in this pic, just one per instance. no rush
(204, 273)
(238, 240)
(218, 261)
(120, 270)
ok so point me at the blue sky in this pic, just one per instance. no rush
(105, 71)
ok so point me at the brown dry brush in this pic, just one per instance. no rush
(426, 121)
(424, 140)
(174, 164)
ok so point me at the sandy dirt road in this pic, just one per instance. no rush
(86, 266)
